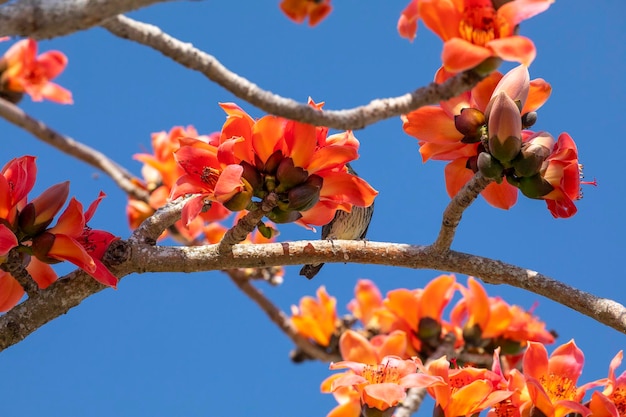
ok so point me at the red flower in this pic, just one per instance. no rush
(26, 72)
(563, 173)
(299, 162)
(299, 10)
(474, 30)
(453, 130)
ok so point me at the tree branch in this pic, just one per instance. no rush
(454, 211)
(277, 317)
(44, 19)
(125, 180)
(64, 294)
(356, 118)
(247, 223)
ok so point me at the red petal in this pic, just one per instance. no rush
(460, 55)
(407, 24)
(514, 48)
(502, 196)
(11, 292)
(7, 240)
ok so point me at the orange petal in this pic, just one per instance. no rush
(457, 175)
(405, 305)
(268, 136)
(431, 124)
(438, 292)
(355, 347)
(42, 273)
(330, 157)
(11, 292)
(382, 396)
(516, 11)
(460, 55)
(539, 93)
(394, 344)
(407, 24)
(514, 48)
(477, 303)
(466, 400)
(502, 195)
(7, 240)
(341, 187)
(72, 221)
(301, 141)
(440, 16)
(52, 63)
(229, 182)
(65, 248)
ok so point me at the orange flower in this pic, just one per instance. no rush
(367, 300)
(355, 347)
(316, 318)
(552, 382)
(611, 402)
(299, 10)
(160, 172)
(474, 30)
(383, 385)
(465, 391)
(24, 71)
(348, 398)
(299, 162)
(453, 130)
(418, 312)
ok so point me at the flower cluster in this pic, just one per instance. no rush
(498, 362)
(22, 71)
(299, 164)
(160, 172)
(25, 230)
(486, 130)
(474, 31)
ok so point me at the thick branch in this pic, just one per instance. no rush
(356, 118)
(65, 144)
(453, 213)
(43, 19)
(67, 293)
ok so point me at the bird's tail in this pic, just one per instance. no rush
(310, 271)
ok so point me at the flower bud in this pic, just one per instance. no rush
(271, 165)
(41, 245)
(533, 154)
(283, 216)
(470, 123)
(40, 212)
(515, 83)
(490, 167)
(289, 176)
(239, 201)
(505, 128)
(367, 411)
(305, 196)
(488, 66)
(529, 119)
(534, 187)
(251, 174)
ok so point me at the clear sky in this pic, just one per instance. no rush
(192, 344)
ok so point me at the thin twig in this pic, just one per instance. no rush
(356, 118)
(48, 19)
(150, 229)
(278, 317)
(454, 211)
(247, 223)
(125, 180)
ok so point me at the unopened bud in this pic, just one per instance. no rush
(529, 119)
(505, 128)
(534, 187)
(488, 66)
(289, 176)
(40, 212)
(533, 154)
(271, 165)
(283, 216)
(471, 124)
(239, 201)
(305, 196)
(375, 412)
(41, 245)
(490, 167)
(252, 175)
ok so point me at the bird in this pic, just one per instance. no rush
(344, 226)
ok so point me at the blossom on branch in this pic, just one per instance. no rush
(474, 30)
(160, 172)
(316, 319)
(298, 162)
(39, 245)
(23, 71)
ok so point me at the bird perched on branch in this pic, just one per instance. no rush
(344, 226)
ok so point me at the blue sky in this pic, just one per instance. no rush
(191, 344)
